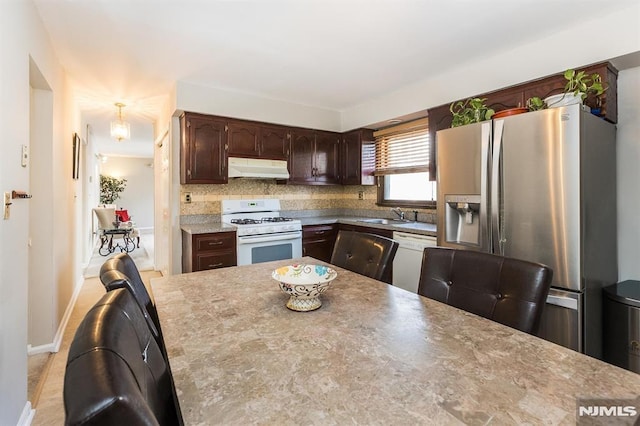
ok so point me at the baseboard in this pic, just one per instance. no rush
(27, 415)
(57, 340)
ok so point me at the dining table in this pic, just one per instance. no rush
(371, 354)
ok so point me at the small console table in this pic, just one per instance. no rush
(106, 241)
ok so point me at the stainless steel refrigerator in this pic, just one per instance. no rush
(539, 186)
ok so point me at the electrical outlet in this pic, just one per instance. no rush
(360, 195)
(187, 197)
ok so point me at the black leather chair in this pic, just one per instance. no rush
(121, 272)
(510, 291)
(116, 373)
(364, 253)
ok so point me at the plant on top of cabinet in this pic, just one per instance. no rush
(579, 85)
(535, 104)
(472, 110)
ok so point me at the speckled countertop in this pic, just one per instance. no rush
(372, 354)
(412, 227)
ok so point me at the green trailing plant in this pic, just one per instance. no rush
(582, 84)
(472, 110)
(535, 104)
(110, 189)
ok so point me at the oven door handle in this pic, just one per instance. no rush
(248, 239)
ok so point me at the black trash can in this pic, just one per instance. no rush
(621, 325)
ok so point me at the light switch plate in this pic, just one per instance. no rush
(25, 155)
(7, 205)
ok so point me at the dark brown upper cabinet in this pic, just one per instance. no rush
(243, 139)
(314, 158)
(203, 154)
(327, 158)
(274, 142)
(358, 157)
(517, 96)
(301, 160)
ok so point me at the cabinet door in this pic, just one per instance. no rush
(358, 158)
(318, 241)
(204, 154)
(274, 142)
(350, 158)
(327, 157)
(301, 165)
(243, 139)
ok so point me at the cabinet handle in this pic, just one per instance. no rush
(189, 173)
(215, 265)
(319, 232)
(217, 243)
(226, 128)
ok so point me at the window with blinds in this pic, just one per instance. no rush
(403, 148)
(403, 156)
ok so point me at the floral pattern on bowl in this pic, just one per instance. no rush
(304, 283)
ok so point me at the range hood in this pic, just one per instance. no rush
(257, 168)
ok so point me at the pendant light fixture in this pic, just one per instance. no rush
(120, 129)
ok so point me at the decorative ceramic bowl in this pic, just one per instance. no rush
(304, 283)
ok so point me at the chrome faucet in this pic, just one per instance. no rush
(399, 212)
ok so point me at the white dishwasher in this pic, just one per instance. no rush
(408, 260)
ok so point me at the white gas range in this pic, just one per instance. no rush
(262, 234)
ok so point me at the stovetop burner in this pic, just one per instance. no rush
(277, 219)
(246, 221)
(261, 220)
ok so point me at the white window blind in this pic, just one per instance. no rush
(403, 148)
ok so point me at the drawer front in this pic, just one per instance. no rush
(215, 260)
(218, 241)
(319, 232)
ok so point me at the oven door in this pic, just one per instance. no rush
(265, 248)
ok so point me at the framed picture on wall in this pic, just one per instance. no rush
(76, 156)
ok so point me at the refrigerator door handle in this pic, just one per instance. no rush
(485, 223)
(496, 187)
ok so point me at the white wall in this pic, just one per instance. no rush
(22, 36)
(617, 34)
(628, 139)
(137, 196)
(207, 100)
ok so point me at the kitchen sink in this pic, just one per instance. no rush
(385, 221)
(379, 221)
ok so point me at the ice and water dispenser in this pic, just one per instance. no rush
(462, 219)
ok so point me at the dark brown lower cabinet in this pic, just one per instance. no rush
(318, 241)
(208, 251)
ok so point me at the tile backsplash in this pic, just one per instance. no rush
(325, 200)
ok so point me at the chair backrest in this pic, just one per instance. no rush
(121, 271)
(115, 372)
(106, 216)
(509, 291)
(364, 253)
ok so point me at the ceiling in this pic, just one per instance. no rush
(332, 54)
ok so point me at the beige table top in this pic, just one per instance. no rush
(372, 354)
